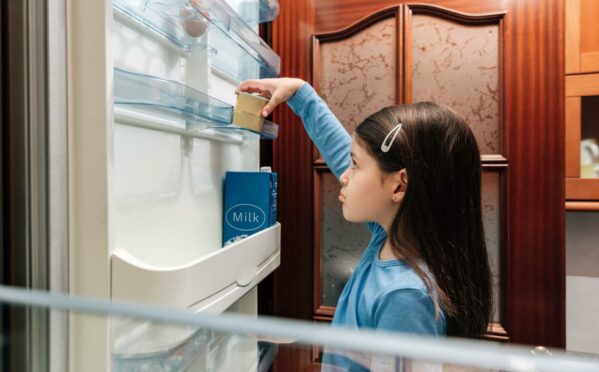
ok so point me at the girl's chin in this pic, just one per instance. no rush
(344, 212)
(347, 216)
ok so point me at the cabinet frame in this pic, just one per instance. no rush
(577, 188)
(403, 13)
(578, 61)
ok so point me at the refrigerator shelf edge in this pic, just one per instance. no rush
(269, 130)
(159, 104)
(135, 88)
(225, 26)
(222, 300)
(141, 118)
(259, 11)
(234, 47)
(209, 284)
(140, 354)
(126, 15)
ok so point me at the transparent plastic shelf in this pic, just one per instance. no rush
(259, 11)
(151, 95)
(155, 25)
(132, 88)
(269, 129)
(235, 48)
(187, 355)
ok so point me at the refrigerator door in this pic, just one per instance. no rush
(152, 140)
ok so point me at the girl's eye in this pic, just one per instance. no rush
(353, 164)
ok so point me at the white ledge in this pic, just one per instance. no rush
(210, 284)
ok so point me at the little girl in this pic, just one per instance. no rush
(413, 173)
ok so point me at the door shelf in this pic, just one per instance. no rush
(131, 88)
(259, 11)
(152, 102)
(269, 130)
(143, 349)
(210, 284)
(234, 47)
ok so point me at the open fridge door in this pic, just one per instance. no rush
(151, 95)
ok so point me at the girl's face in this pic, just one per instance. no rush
(367, 194)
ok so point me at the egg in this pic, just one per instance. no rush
(194, 24)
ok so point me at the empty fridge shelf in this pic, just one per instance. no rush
(132, 88)
(187, 354)
(143, 100)
(210, 284)
(235, 48)
(259, 11)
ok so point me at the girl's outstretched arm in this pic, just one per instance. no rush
(332, 140)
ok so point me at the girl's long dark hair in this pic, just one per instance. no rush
(439, 221)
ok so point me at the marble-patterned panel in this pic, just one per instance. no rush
(458, 65)
(358, 74)
(341, 242)
(357, 78)
(491, 221)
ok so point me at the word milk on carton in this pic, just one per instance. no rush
(250, 204)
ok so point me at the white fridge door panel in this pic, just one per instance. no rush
(137, 50)
(168, 193)
(168, 187)
(167, 206)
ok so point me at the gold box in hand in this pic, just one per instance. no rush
(248, 111)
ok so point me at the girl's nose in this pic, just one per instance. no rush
(344, 180)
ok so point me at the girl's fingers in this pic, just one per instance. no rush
(265, 94)
(245, 85)
(275, 89)
(253, 86)
(248, 89)
(270, 106)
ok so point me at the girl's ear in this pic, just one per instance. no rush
(400, 181)
(403, 175)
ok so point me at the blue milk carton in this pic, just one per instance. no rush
(249, 204)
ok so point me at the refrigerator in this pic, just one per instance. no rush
(151, 97)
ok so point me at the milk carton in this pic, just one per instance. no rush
(249, 204)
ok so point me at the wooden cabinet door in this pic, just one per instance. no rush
(582, 36)
(356, 70)
(456, 59)
(582, 124)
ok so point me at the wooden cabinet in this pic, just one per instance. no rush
(582, 36)
(403, 54)
(523, 140)
(582, 137)
(582, 105)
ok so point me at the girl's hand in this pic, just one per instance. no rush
(277, 90)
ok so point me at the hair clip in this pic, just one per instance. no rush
(385, 147)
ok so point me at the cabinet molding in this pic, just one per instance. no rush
(577, 87)
(582, 42)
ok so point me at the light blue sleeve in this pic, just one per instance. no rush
(323, 128)
(408, 310)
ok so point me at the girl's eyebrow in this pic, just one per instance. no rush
(353, 155)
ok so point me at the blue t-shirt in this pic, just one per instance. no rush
(386, 295)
